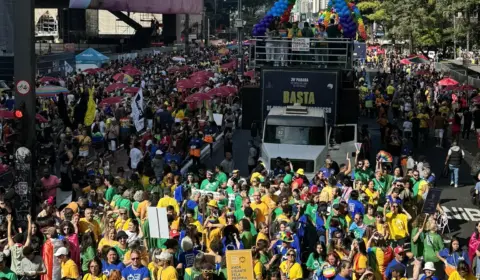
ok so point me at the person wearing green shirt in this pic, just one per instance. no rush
(5, 272)
(110, 192)
(245, 234)
(121, 247)
(416, 244)
(432, 243)
(239, 212)
(336, 215)
(220, 176)
(316, 258)
(209, 184)
(88, 251)
(380, 184)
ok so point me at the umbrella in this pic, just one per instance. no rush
(448, 88)
(231, 90)
(184, 84)
(111, 101)
(93, 71)
(250, 74)
(47, 79)
(133, 72)
(10, 115)
(131, 90)
(419, 60)
(47, 91)
(383, 156)
(476, 99)
(198, 97)
(219, 92)
(466, 87)
(447, 82)
(128, 67)
(173, 69)
(405, 61)
(178, 59)
(203, 74)
(423, 73)
(124, 78)
(114, 87)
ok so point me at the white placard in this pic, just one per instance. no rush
(137, 111)
(301, 44)
(158, 222)
(218, 118)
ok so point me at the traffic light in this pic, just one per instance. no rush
(20, 125)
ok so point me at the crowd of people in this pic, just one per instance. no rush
(358, 219)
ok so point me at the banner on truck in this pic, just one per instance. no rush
(317, 88)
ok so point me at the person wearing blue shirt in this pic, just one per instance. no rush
(355, 206)
(429, 271)
(399, 259)
(112, 262)
(345, 271)
(187, 257)
(135, 271)
(454, 254)
(358, 227)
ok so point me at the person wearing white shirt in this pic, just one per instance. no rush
(135, 156)
(407, 129)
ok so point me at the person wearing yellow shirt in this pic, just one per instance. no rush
(108, 240)
(423, 117)
(167, 200)
(69, 267)
(397, 221)
(95, 270)
(135, 247)
(154, 265)
(166, 271)
(262, 232)
(89, 224)
(122, 221)
(260, 208)
(290, 267)
(462, 272)
(390, 90)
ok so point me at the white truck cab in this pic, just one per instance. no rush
(302, 134)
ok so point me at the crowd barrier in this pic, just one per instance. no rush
(461, 77)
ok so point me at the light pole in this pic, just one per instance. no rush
(239, 26)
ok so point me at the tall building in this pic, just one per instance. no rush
(6, 27)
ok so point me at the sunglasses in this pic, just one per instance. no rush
(123, 213)
(207, 271)
(291, 255)
(134, 259)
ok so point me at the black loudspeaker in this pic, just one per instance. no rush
(348, 106)
(251, 106)
(72, 24)
(169, 30)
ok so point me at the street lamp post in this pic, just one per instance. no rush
(239, 26)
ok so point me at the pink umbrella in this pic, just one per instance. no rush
(185, 84)
(120, 77)
(228, 89)
(466, 87)
(448, 88)
(448, 82)
(128, 67)
(131, 90)
(114, 87)
(47, 79)
(198, 97)
(405, 61)
(476, 99)
(111, 101)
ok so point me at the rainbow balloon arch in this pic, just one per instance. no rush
(346, 14)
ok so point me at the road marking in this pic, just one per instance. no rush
(467, 214)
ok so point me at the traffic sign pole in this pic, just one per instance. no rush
(24, 73)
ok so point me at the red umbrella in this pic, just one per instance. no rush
(231, 90)
(203, 74)
(128, 67)
(476, 99)
(92, 71)
(10, 115)
(120, 77)
(185, 84)
(133, 72)
(131, 90)
(448, 82)
(111, 101)
(219, 92)
(466, 87)
(201, 80)
(198, 97)
(114, 87)
(47, 79)
(250, 74)
(173, 69)
(448, 88)
(405, 61)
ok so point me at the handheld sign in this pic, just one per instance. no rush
(240, 264)
(432, 200)
(158, 222)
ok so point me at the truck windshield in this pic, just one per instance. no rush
(295, 135)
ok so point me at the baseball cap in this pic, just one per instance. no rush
(165, 256)
(174, 233)
(149, 142)
(62, 251)
(159, 152)
(398, 250)
(121, 234)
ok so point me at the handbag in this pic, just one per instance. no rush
(445, 171)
